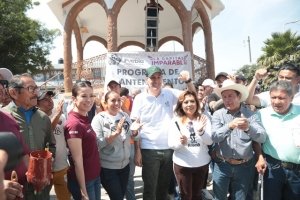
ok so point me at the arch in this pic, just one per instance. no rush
(169, 38)
(210, 66)
(195, 26)
(129, 43)
(70, 19)
(96, 38)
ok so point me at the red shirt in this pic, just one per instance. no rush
(9, 124)
(78, 126)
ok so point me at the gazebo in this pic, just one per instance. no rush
(120, 23)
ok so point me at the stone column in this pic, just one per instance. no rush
(67, 61)
(112, 31)
(187, 36)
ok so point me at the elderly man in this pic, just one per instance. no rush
(288, 71)
(154, 109)
(282, 146)
(234, 128)
(35, 125)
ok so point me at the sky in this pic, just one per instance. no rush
(240, 20)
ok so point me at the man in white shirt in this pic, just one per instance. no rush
(154, 109)
(288, 71)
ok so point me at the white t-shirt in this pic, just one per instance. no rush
(195, 152)
(156, 114)
(265, 99)
(61, 156)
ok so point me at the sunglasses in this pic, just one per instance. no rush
(4, 83)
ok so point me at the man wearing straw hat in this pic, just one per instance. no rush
(234, 127)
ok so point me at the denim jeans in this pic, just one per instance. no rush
(239, 177)
(156, 173)
(92, 188)
(130, 195)
(115, 182)
(280, 183)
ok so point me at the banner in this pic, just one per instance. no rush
(129, 69)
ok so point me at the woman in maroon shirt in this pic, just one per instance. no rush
(84, 171)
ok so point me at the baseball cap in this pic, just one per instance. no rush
(221, 74)
(209, 82)
(152, 70)
(43, 94)
(6, 74)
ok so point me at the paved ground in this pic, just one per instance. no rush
(138, 187)
(137, 181)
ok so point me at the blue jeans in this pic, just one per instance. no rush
(156, 173)
(280, 183)
(130, 195)
(115, 182)
(239, 177)
(92, 188)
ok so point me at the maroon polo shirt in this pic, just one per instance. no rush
(9, 124)
(78, 126)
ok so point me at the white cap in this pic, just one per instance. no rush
(6, 74)
(209, 82)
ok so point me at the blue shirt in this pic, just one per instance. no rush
(236, 143)
(280, 142)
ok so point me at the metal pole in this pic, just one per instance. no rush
(249, 46)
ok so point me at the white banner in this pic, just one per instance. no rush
(130, 68)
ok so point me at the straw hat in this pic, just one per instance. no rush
(231, 85)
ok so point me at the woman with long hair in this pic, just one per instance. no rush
(189, 135)
(84, 172)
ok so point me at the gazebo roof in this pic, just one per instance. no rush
(92, 20)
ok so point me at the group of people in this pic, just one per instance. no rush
(251, 129)
(218, 125)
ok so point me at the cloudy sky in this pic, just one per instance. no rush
(239, 20)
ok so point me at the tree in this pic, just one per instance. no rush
(280, 48)
(24, 43)
(248, 71)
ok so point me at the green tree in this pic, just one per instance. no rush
(248, 71)
(24, 43)
(280, 48)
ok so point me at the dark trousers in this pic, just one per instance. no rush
(41, 195)
(115, 182)
(156, 173)
(279, 182)
(190, 181)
